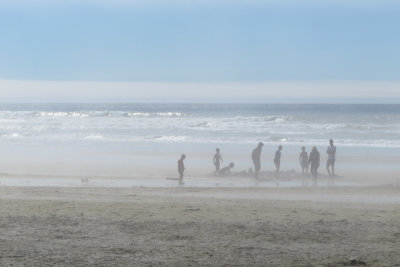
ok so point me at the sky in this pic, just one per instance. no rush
(213, 50)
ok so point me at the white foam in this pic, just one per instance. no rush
(95, 137)
(200, 128)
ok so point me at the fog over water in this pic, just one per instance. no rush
(147, 139)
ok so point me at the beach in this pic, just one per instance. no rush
(181, 226)
(96, 185)
(200, 133)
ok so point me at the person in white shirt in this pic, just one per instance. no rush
(331, 151)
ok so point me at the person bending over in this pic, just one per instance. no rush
(226, 171)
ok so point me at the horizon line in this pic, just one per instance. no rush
(321, 102)
(351, 91)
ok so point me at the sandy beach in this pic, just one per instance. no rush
(200, 133)
(181, 226)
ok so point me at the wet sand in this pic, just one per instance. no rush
(181, 226)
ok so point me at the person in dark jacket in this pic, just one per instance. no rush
(256, 157)
(181, 168)
(313, 160)
(303, 159)
(277, 159)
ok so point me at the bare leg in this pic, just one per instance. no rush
(216, 169)
(257, 167)
(327, 168)
(181, 178)
(277, 165)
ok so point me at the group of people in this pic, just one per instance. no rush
(217, 159)
(312, 160)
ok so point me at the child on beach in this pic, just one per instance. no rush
(277, 159)
(181, 168)
(226, 171)
(217, 161)
(303, 160)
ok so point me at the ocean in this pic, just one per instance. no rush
(146, 137)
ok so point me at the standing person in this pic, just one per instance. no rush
(314, 161)
(303, 158)
(331, 151)
(277, 159)
(181, 168)
(217, 161)
(256, 157)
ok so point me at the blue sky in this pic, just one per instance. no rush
(200, 41)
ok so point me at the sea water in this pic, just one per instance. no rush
(149, 138)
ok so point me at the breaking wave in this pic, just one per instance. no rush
(202, 125)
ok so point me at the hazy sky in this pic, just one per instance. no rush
(200, 42)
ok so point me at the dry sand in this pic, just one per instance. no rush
(311, 226)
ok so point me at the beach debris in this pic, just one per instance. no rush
(192, 209)
(355, 262)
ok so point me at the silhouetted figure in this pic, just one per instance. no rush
(256, 157)
(226, 171)
(181, 168)
(217, 161)
(303, 158)
(277, 159)
(331, 151)
(313, 160)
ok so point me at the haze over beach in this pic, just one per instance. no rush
(99, 100)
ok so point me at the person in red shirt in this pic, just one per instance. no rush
(181, 168)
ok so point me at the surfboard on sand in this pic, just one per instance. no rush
(171, 178)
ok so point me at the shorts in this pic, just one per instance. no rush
(330, 162)
(304, 164)
(217, 164)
